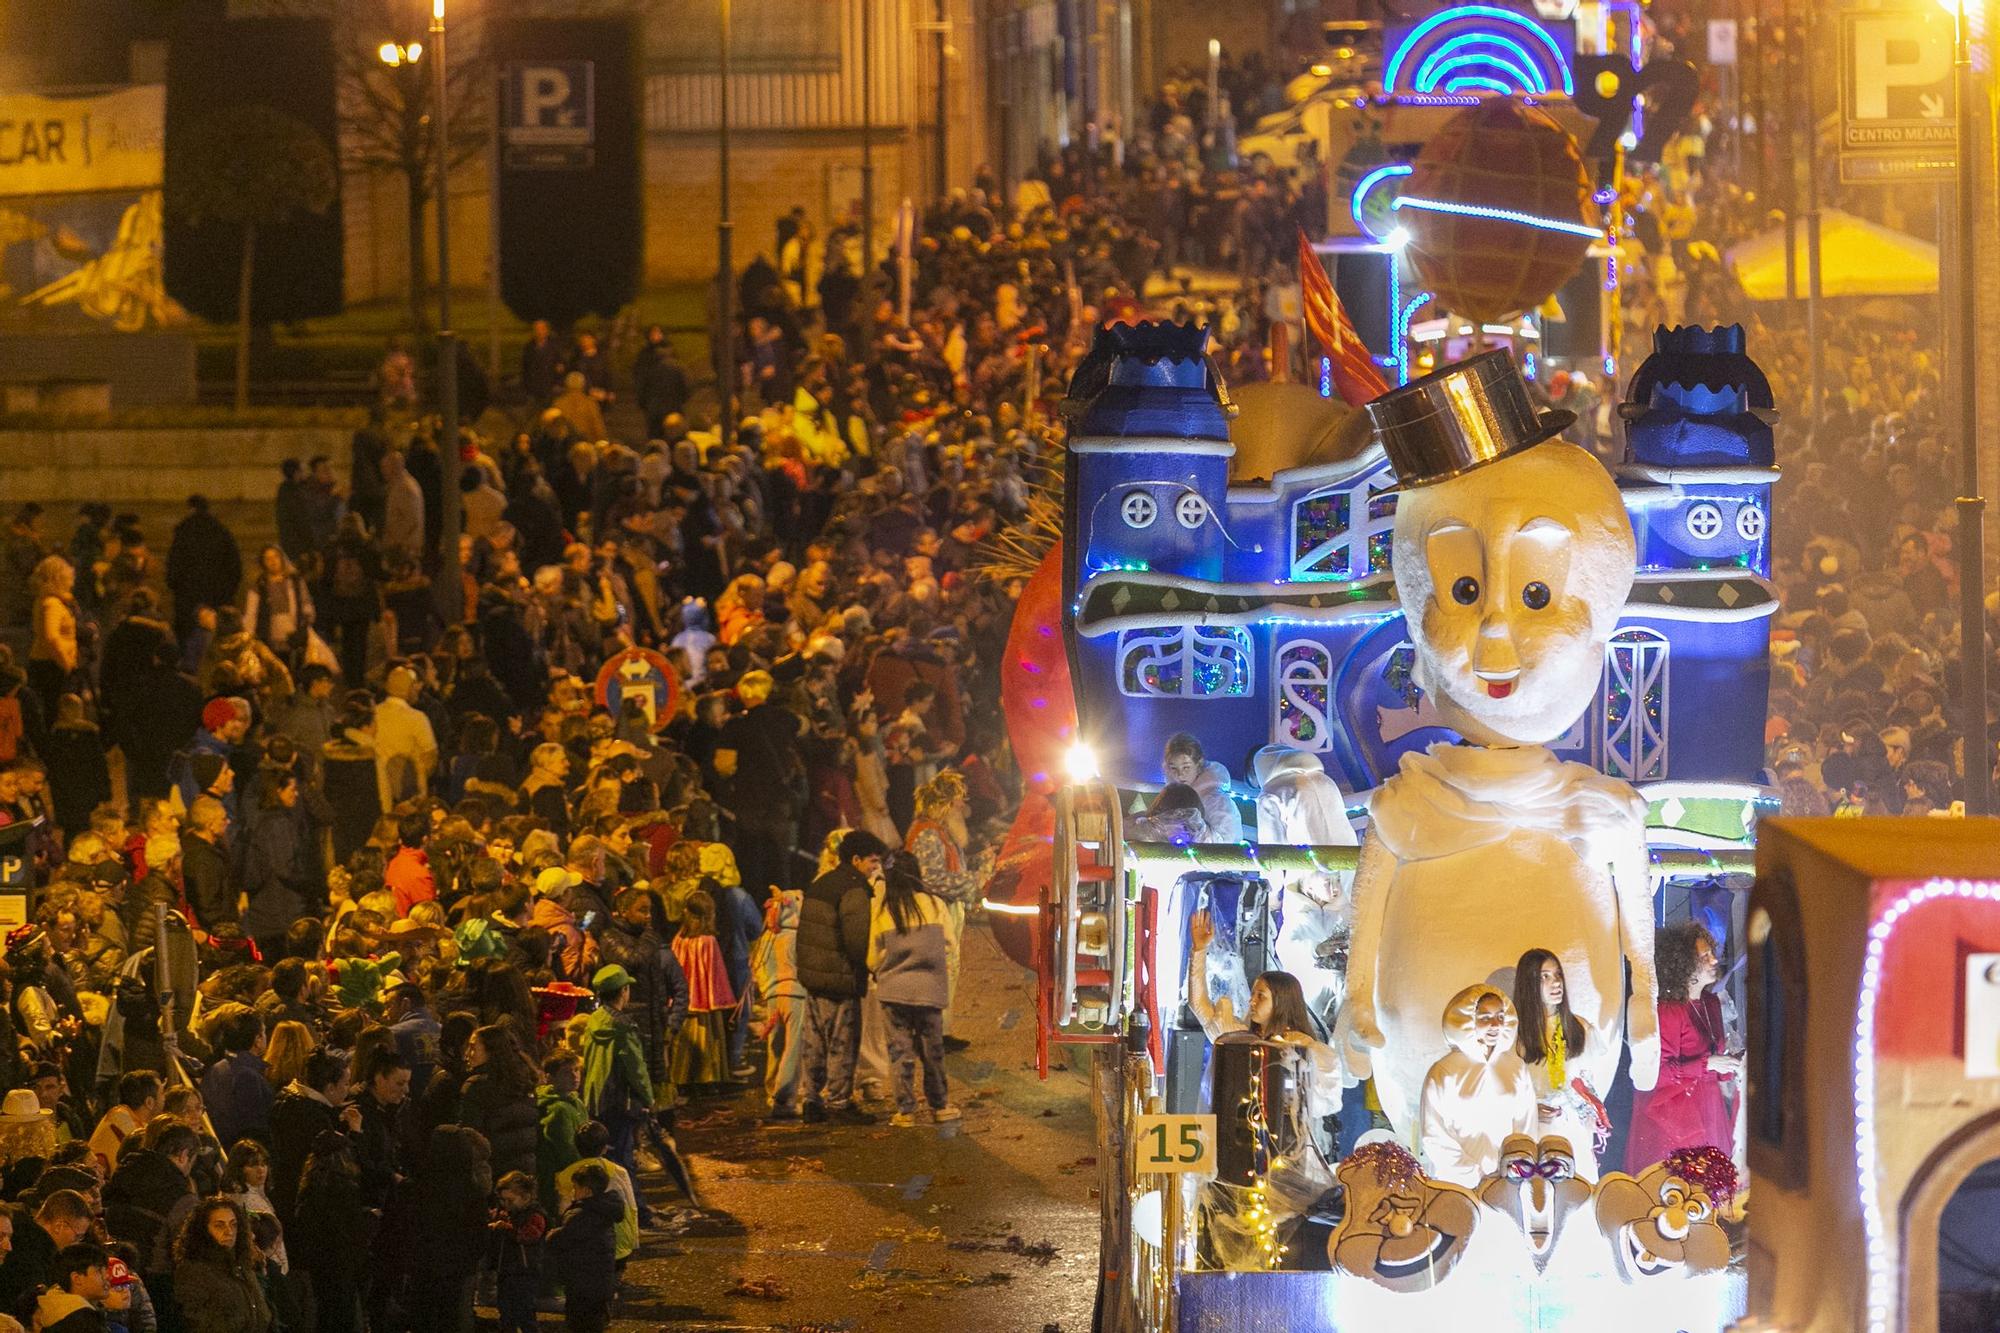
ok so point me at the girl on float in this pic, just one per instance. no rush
(1278, 1012)
(1552, 1043)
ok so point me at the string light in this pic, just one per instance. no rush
(1507, 19)
(1498, 215)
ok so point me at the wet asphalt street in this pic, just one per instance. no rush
(985, 1226)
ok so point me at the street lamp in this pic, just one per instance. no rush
(1971, 505)
(396, 54)
(451, 595)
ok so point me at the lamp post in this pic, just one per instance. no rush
(867, 139)
(451, 592)
(1971, 505)
(725, 271)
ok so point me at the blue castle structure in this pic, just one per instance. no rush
(1265, 612)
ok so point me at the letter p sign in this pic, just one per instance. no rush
(1900, 70)
(549, 103)
(544, 95)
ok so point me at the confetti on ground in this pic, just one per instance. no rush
(1040, 1253)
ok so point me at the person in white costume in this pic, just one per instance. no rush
(1478, 1096)
(1513, 556)
(1300, 805)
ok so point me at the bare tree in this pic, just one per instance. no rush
(385, 110)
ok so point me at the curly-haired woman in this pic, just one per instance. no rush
(215, 1273)
(1687, 1108)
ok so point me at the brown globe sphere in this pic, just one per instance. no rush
(1500, 154)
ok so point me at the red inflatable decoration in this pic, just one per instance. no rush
(1040, 709)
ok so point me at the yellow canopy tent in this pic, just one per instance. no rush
(1857, 258)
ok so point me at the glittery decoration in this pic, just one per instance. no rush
(1395, 1166)
(1706, 1166)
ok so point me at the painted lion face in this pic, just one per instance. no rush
(1537, 1186)
(1660, 1225)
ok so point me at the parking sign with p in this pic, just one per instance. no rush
(1898, 108)
(548, 113)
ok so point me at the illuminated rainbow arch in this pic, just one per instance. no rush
(1479, 49)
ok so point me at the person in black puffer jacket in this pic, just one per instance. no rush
(498, 1099)
(150, 1193)
(306, 1108)
(833, 968)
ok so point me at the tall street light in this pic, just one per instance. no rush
(1971, 504)
(451, 595)
(725, 265)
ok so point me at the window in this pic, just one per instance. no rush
(1305, 693)
(1139, 510)
(1749, 522)
(1704, 521)
(1184, 662)
(1635, 705)
(1776, 999)
(1345, 532)
(1191, 510)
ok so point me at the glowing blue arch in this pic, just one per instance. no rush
(1479, 48)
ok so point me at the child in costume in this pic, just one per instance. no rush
(1479, 1094)
(701, 1051)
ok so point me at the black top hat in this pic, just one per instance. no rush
(1460, 417)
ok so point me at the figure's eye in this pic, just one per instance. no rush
(1535, 596)
(1466, 591)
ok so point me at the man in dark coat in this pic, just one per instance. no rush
(659, 986)
(833, 968)
(295, 511)
(659, 381)
(204, 568)
(150, 1194)
(236, 1089)
(205, 871)
(64, 1218)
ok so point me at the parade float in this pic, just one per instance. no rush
(1565, 743)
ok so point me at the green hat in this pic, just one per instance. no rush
(610, 979)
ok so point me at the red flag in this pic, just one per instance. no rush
(1355, 376)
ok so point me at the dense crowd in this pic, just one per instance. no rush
(376, 950)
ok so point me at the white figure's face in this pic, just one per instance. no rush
(1512, 577)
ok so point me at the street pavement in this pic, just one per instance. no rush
(984, 1226)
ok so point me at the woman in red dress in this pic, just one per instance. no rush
(1687, 1108)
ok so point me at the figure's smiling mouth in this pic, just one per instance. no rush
(1498, 684)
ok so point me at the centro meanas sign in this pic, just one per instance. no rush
(1898, 109)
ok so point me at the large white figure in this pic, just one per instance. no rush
(1513, 557)
(1300, 805)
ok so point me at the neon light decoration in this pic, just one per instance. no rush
(1481, 48)
(1358, 202)
(1499, 215)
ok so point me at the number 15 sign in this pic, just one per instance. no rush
(1175, 1143)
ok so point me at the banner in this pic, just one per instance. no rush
(85, 144)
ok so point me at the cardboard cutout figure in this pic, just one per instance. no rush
(1664, 1223)
(1402, 1232)
(1513, 558)
(1537, 1188)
